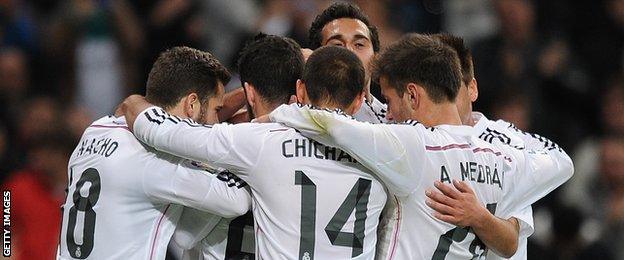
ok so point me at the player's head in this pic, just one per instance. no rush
(344, 24)
(333, 78)
(468, 92)
(188, 83)
(417, 73)
(269, 68)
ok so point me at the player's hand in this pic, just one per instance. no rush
(456, 205)
(131, 107)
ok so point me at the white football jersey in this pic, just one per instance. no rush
(229, 239)
(309, 200)
(501, 132)
(372, 111)
(409, 157)
(124, 199)
(202, 237)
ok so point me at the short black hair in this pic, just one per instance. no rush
(180, 71)
(418, 58)
(272, 64)
(335, 74)
(336, 11)
(463, 53)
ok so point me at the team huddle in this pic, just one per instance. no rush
(323, 171)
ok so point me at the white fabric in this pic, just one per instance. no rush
(272, 159)
(501, 132)
(372, 111)
(141, 195)
(410, 157)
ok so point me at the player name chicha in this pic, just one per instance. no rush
(474, 172)
(303, 147)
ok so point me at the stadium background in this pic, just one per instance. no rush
(551, 67)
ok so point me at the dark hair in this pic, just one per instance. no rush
(180, 71)
(272, 64)
(337, 11)
(335, 74)
(417, 58)
(463, 53)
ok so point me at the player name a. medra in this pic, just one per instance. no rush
(102, 146)
(303, 147)
(474, 172)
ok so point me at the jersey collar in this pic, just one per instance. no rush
(481, 122)
(457, 129)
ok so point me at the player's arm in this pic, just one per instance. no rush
(193, 226)
(547, 165)
(459, 206)
(538, 172)
(182, 183)
(214, 145)
(376, 147)
(233, 101)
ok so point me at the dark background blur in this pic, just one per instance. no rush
(551, 67)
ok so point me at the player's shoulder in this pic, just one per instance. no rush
(106, 135)
(108, 124)
(263, 128)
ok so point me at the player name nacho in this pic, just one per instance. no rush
(303, 147)
(102, 146)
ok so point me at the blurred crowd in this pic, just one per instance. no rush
(551, 67)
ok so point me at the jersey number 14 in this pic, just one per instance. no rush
(357, 200)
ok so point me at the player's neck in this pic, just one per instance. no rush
(332, 106)
(441, 114)
(468, 119)
(262, 109)
(178, 111)
(368, 95)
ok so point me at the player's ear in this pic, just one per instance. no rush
(302, 92)
(357, 103)
(250, 94)
(413, 95)
(473, 90)
(191, 105)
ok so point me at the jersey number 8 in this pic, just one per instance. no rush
(83, 204)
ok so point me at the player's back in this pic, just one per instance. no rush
(310, 201)
(108, 214)
(444, 154)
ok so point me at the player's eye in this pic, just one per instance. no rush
(336, 43)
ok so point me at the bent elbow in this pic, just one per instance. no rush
(233, 212)
(510, 250)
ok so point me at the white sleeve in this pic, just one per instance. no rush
(376, 146)
(168, 181)
(525, 219)
(560, 164)
(218, 145)
(193, 226)
(534, 178)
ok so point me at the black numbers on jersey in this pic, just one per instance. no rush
(237, 238)
(85, 205)
(357, 200)
(459, 234)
